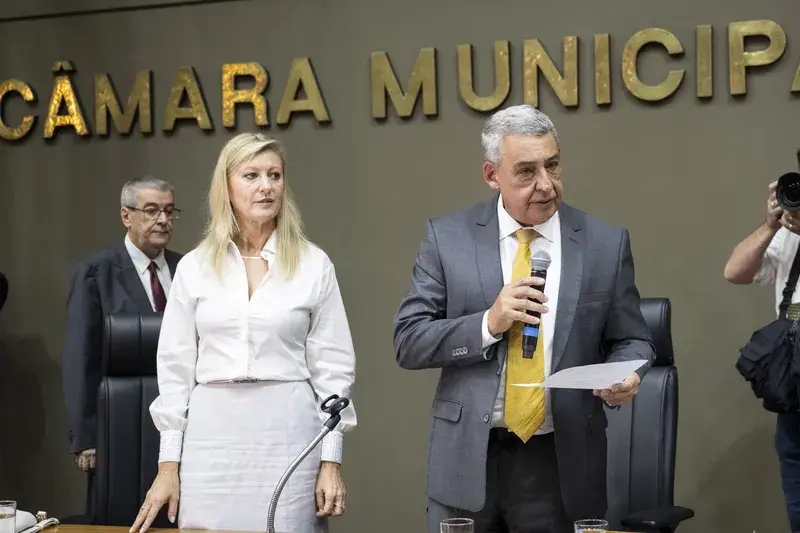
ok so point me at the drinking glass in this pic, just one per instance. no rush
(591, 525)
(8, 516)
(457, 525)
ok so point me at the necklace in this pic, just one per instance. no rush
(252, 257)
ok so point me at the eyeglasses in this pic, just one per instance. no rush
(152, 213)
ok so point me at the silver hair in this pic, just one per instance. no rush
(514, 120)
(130, 191)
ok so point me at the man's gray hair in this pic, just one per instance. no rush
(514, 120)
(130, 191)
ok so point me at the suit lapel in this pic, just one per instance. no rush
(128, 277)
(487, 252)
(572, 255)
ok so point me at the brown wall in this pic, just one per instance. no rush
(687, 177)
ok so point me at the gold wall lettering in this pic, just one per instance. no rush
(502, 78)
(185, 82)
(15, 133)
(302, 76)
(106, 103)
(565, 85)
(231, 96)
(630, 57)
(602, 70)
(64, 94)
(302, 91)
(384, 83)
(705, 82)
(739, 59)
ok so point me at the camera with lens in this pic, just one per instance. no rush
(787, 192)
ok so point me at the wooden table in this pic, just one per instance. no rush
(70, 528)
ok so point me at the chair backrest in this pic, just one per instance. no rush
(127, 440)
(3, 290)
(642, 436)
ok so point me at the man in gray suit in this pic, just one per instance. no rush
(515, 459)
(132, 276)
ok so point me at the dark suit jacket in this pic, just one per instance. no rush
(103, 283)
(456, 277)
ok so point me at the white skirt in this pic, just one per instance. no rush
(239, 440)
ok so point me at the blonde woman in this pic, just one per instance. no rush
(253, 338)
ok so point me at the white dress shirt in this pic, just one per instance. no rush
(141, 262)
(550, 241)
(777, 263)
(290, 329)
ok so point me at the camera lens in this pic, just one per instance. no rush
(787, 192)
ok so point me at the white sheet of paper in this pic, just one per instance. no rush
(600, 376)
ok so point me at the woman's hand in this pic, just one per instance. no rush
(165, 488)
(330, 491)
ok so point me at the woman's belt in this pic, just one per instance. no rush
(240, 380)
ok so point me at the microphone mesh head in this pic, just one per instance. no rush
(540, 260)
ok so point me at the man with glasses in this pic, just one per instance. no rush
(132, 276)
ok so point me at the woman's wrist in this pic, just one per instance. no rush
(168, 467)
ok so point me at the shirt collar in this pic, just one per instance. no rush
(270, 249)
(508, 225)
(140, 259)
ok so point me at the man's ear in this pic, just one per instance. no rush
(490, 175)
(125, 215)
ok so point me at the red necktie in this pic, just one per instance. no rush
(158, 291)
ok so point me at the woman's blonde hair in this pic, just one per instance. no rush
(222, 225)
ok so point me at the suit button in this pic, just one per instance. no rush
(486, 418)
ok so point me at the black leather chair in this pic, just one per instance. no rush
(3, 290)
(642, 440)
(127, 441)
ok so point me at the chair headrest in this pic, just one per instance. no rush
(130, 342)
(657, 314)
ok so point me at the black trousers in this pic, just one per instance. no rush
(523, 492)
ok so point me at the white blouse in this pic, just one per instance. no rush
(291, 329)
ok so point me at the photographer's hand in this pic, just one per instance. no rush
(791, 221)
(774, 220)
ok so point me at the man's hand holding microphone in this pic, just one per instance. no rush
(513, 302)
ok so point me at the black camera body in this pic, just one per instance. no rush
(787, 192)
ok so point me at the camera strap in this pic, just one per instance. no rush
(791, 282)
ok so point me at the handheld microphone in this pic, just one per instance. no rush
(540, 260)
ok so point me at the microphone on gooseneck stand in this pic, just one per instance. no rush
(333, 405)
(540, 260)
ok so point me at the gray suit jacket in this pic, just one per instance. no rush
(103, 283)
(456, 277)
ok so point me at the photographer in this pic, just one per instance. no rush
(765, 257)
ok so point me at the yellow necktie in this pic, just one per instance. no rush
(524, 406)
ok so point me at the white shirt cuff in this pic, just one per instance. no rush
(171, 446)
(486, 337)
(332, 447)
